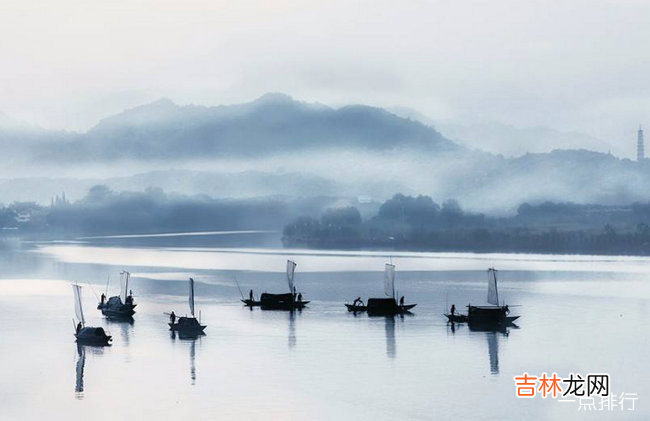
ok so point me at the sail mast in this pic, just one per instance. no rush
(493, 292)
(389, 280)
(78, 309)
(191, 298)
(291, 269)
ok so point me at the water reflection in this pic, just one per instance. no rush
(492, 334)
(125, 325)
(192, 339)
(292, 329)
(493, 351)
(391, 345)
(81, 363)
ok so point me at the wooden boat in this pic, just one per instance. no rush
(286, 301)
(92, 336)
(384, 306)
(188, 325)
(120, 306)
(492, 314)
(86, 334)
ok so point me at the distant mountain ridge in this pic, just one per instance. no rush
(273, 123)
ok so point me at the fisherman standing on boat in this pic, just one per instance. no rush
(300, 297)
(453, 309)
(250, 295)
(172, 317)
(78, 327)
(103, 298)
(401, 301)
(357, 301)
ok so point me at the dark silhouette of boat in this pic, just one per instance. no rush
(490, 315)
(92, 336)
(383, 306)
(287, 301)
(120, 306)
(188, 325)
(86, 334)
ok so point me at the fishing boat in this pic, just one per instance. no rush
(383, 306)
(187, 325)
(287, 301)
(494, 314)
(86, 335)
(119, 306)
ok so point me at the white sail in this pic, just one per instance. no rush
(493, 293)
(124, 285)
(78, 309)
(389, 280)
(192, 296)
(291, 268)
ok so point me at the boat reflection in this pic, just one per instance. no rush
(492, 334)
(192, 339)
(81, 365)
(292, 329)
(391, 344)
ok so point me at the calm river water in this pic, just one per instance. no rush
(579, 314)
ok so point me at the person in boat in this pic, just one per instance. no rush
(250, 295)
(453, 309)
(507, 310)
(401, 301)
(78, 327)
(300, 297)
(103, 298)
(357, 301)
(172, 317)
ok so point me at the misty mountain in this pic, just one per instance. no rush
(515, 141)
(272, 124)
(506, 139)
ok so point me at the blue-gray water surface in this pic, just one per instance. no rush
(579, 314)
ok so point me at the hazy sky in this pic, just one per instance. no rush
(571, 65)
